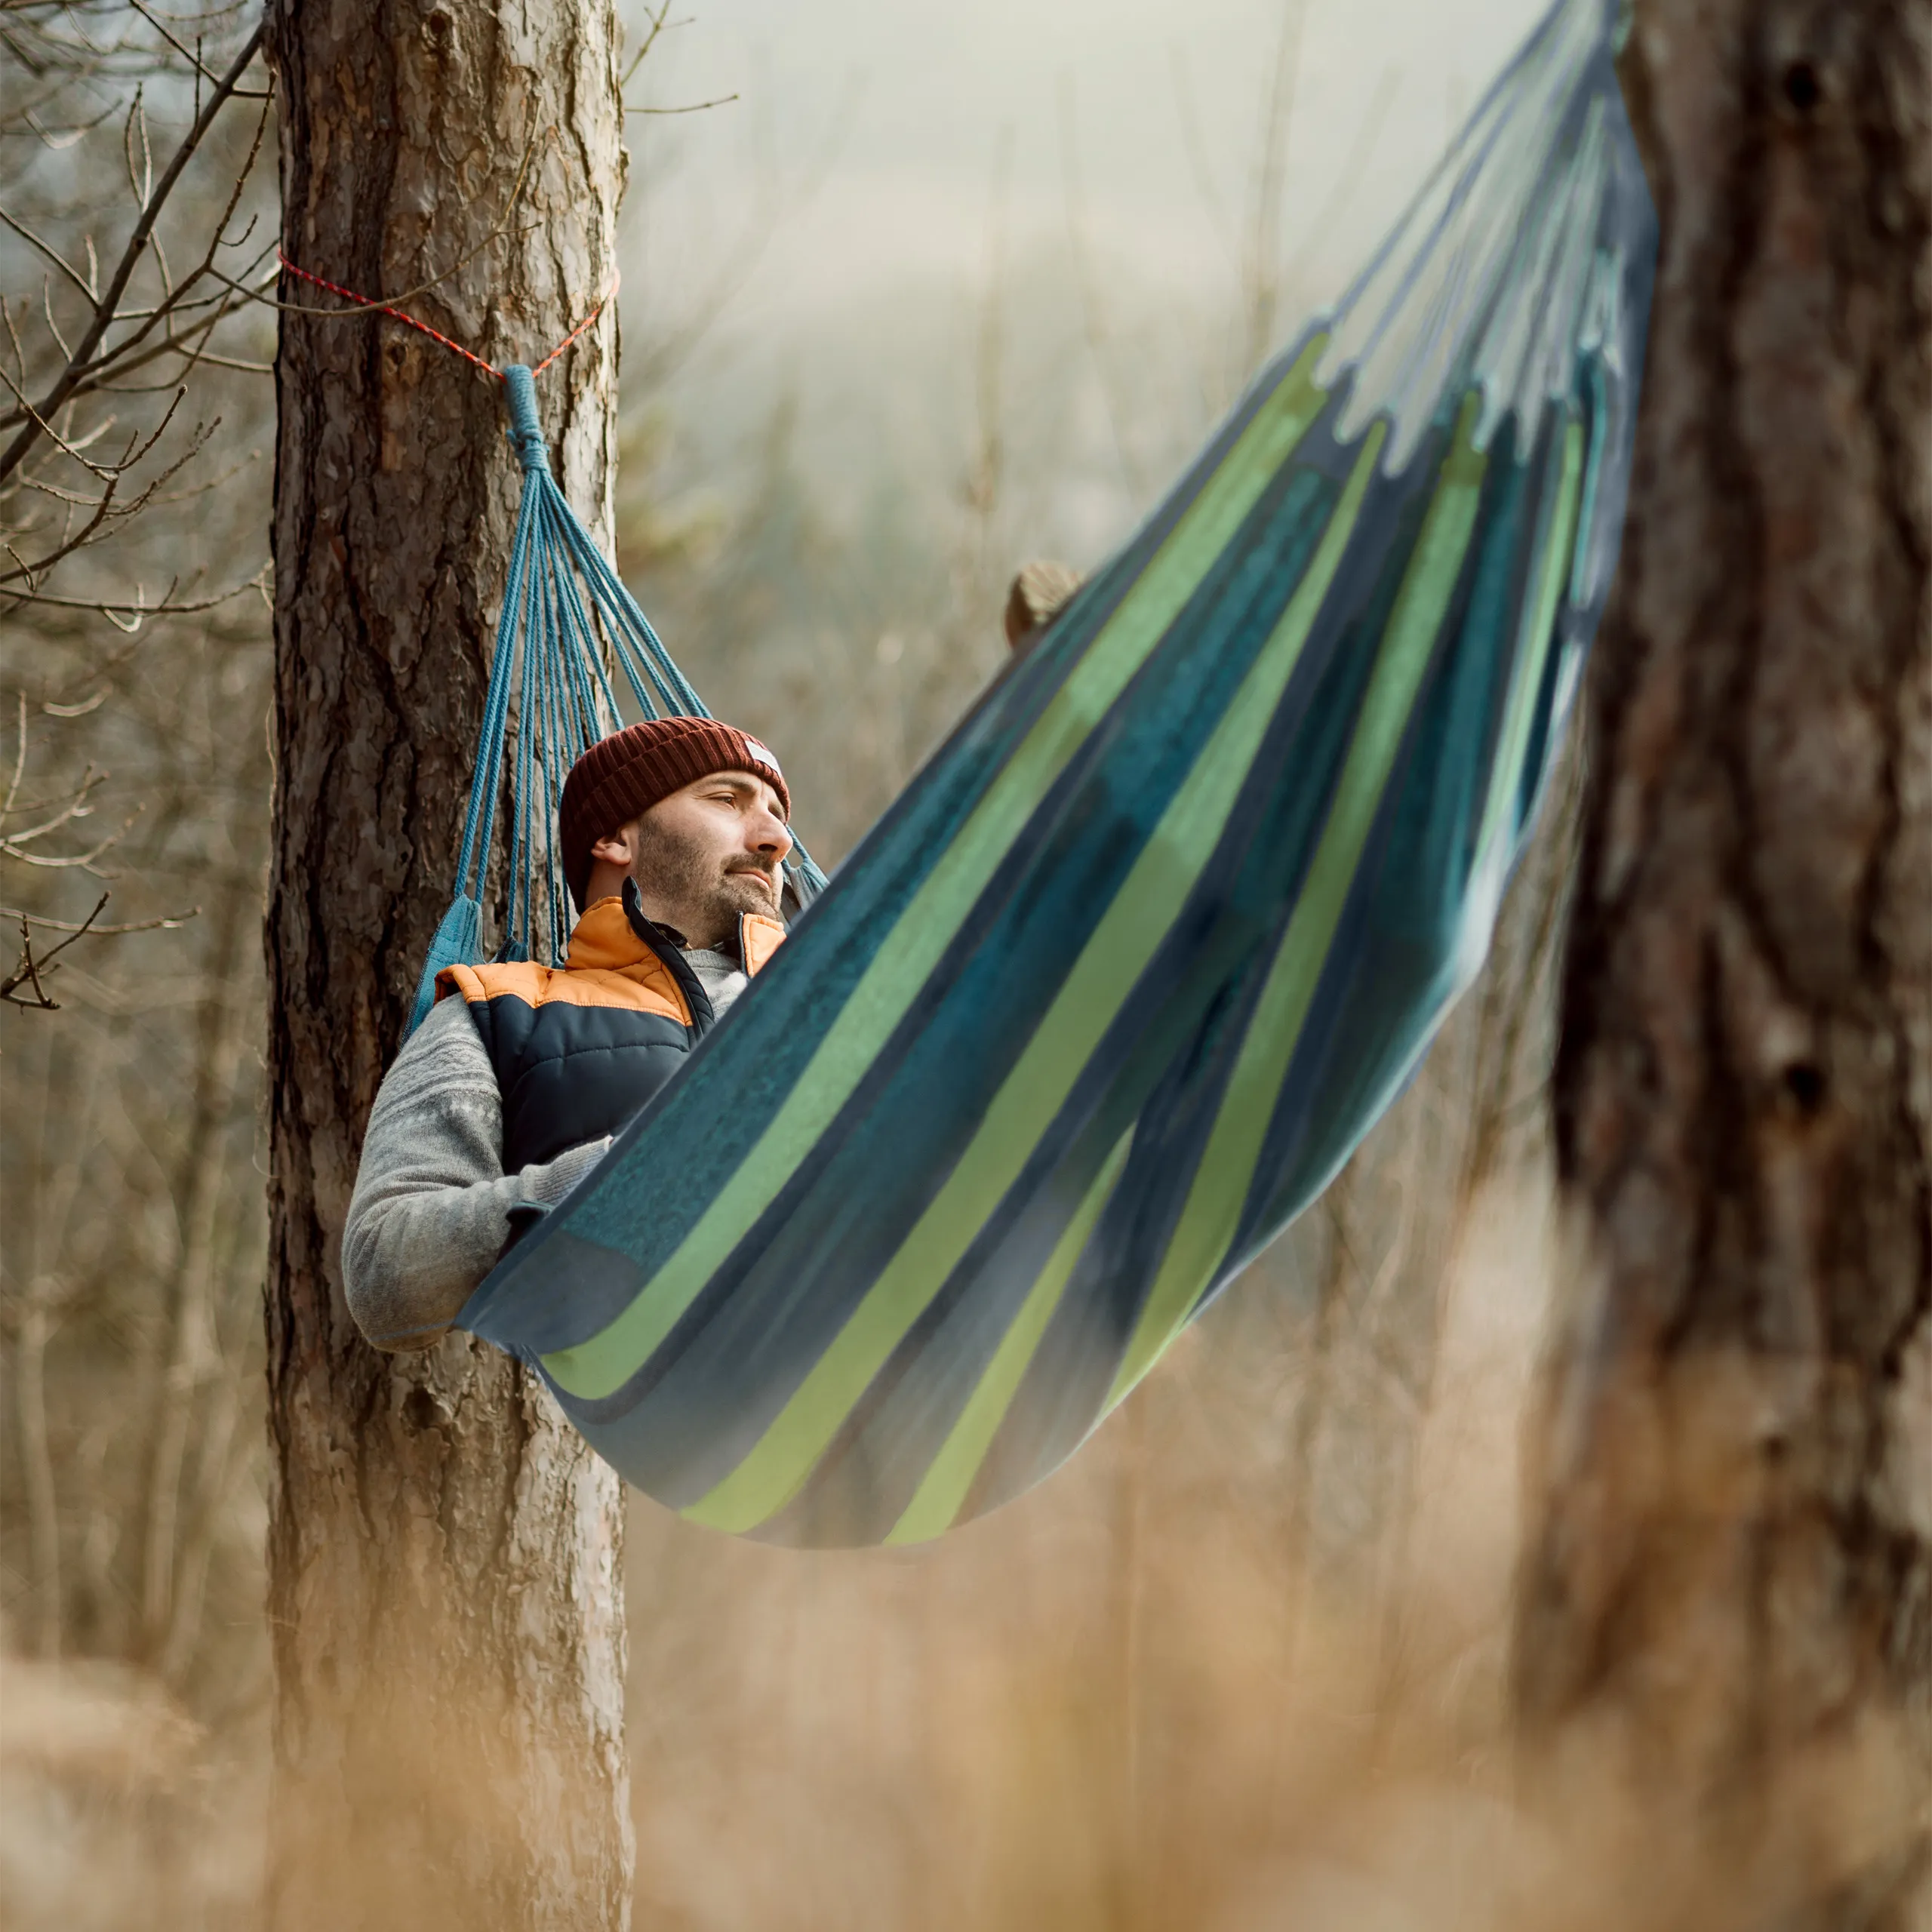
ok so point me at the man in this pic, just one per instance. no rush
(672, 833)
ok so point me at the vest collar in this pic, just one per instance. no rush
(758, 939)
(604, 939)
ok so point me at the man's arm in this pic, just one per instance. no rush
(432, 1207)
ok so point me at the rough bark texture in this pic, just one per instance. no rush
(444, 1553)
(1730, 1592)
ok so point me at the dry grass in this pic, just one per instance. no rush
(1112, 1704)
(118, 1809)
(1118, 1703)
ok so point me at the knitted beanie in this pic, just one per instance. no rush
(622, 777)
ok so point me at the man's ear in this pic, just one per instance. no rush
(616, 848)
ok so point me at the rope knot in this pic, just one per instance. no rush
(526, 432)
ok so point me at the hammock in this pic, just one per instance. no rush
(1111, 993)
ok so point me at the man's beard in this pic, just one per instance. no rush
(681, 875)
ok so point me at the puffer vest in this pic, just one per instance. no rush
(579, 1049)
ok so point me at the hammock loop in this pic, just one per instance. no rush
(526, 431)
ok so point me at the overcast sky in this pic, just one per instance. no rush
(846, 197)
(912, 99)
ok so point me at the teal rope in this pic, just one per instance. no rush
(563, 606)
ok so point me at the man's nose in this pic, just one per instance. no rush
(772, 834)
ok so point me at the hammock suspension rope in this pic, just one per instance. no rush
(565, 612)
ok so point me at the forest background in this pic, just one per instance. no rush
(928, 292)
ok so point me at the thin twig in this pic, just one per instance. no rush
(106, 308)
(27, 973)
(40, 424)
(168, 923)
(29, 970)
(112, 610)
(201, 73)
(19, 762)
(696, 107)
(1093, 308)
(108, 369)
(658, 25)
(1196, 151)
(52, 254)
(172, 297)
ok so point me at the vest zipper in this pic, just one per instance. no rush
(674, 963)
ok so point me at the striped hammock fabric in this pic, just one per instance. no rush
(1112, 992)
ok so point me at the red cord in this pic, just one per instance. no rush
(603, 301)
(436, 335)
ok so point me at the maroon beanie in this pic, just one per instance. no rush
(622, 777)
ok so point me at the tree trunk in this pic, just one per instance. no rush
(30, 1341)
(444, 1570)
(1728, 1593)
(180, 1383)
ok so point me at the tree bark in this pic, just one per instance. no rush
(444, 1553)
(1728, 1594)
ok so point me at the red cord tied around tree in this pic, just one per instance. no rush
(363, 303)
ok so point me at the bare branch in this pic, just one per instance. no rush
(1196, 151)
(76, 806)
(20, 761)
(34, 571)
(658, 25)
(80, 710)
(27, 973)
(32, 972)
(108, 306)
(13, 336)
(47, 249)
(169, 922)
(194, 59)
(139, 611)
(172, 297)
(696, 107)
(71, 862)
(109, 369)
(140, 179)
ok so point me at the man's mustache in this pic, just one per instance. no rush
(756, 869)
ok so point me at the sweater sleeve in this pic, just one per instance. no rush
(432, 1207)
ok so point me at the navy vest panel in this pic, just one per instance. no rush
(569, 1074)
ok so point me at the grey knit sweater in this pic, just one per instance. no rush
(432, 1204)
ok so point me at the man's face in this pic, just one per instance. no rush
(708, 853)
